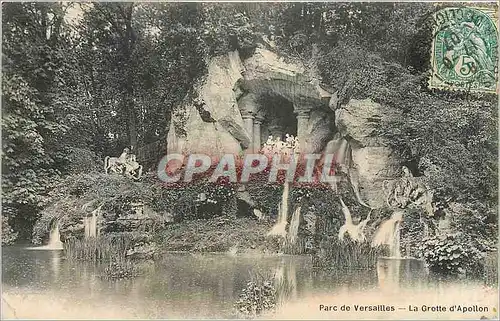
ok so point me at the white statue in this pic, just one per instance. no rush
(132, 168)
(116, 164)
(125, 164)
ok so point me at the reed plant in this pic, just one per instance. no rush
(349, 255)
(110, 247)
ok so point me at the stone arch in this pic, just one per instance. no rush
(282, 107)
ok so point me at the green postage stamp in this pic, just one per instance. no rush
(465, 49)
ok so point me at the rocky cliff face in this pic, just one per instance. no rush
(214, 119)
(372, 160)
(210, 122)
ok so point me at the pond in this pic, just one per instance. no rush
(42, 284)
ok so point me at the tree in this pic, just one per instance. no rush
(34, 114)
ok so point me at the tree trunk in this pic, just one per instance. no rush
(129, 44)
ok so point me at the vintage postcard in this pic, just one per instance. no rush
(250, 160)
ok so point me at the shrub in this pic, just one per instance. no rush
(452, 254)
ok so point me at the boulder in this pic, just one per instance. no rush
(210, 122)
(374, 165)
(373, 161)
(361, 119)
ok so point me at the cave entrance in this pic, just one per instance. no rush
(278, 118)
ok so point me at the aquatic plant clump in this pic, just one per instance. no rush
(256, 298)
(8, 234)
(112, 247)
(120, 271)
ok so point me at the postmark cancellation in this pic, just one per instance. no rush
(465, 49)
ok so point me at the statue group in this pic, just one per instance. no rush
(288, 147)
(126, 164)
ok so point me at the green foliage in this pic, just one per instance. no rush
(75, 92)
(416, 226)
(478, 221)
(452, 254)
(445, 135)
(381, 51)
(216, 193)
(347, 255)
(82, 160)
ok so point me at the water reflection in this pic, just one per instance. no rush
(285, 280)
(42, 284)
(394, 273)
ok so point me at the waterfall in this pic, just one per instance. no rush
(86, 225)
(389, 233)
(93, 223)
(90, 223)
(280, 227)
(55, 239)
(294, 226)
